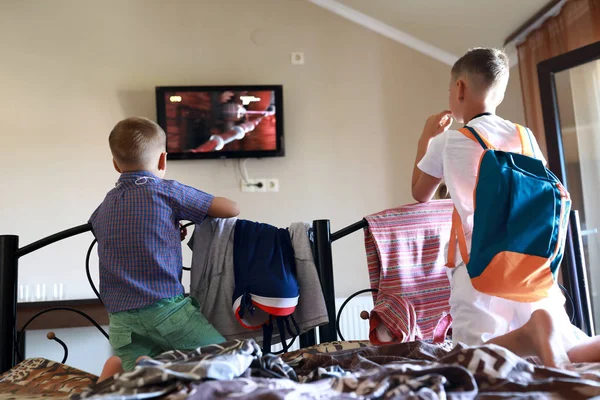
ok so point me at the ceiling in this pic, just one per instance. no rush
(452, 25)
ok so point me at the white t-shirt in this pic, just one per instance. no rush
(455, 158)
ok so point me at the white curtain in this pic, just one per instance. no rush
(585, 87)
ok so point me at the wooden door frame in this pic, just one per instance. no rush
(575, 274)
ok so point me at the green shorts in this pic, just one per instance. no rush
(169, 324)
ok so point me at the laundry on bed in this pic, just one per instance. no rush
(173, 371)
(406, 259)
(213, 279)
(211, 276)
(266, 288)
(311, 311)
(416, 370)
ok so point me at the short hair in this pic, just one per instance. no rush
(136, 141)
(485, 67)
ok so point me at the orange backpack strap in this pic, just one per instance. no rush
(457, 233)
(526, 141)
(468, 134)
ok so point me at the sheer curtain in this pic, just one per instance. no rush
(585, 89)
(577, 25)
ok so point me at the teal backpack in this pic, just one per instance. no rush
(520, 223)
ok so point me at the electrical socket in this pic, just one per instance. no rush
(261, 185)
(248, 187)
(297, 58)
(253, 185)
(272, 185)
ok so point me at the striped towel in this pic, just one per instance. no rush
(406, 257)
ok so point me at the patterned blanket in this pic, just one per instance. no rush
(414, 370)
(38, 378)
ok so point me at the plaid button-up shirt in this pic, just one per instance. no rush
(139, 243)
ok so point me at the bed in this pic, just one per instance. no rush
(330, 369)
(414, 370)
(38, 378)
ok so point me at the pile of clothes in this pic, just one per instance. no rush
(246, 275)
(415, 370)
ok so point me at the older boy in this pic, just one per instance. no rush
(477, 85)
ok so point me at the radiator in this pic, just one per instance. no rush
(351, 325)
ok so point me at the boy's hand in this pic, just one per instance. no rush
(424, 185)
(437, 124)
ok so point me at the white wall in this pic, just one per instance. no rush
(88, 349)
(69, 70)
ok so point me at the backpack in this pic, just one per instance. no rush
(520, 223)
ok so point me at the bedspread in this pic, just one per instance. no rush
(414, 370)
(38, 378)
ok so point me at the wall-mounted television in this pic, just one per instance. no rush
(221, 121)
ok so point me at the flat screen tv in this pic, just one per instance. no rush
(221, 121)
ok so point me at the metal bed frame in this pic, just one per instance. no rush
(10, 253)
(575, 280)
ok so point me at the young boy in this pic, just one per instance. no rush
(137, 228)
(477, 85)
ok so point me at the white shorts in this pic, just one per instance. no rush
(478, 317)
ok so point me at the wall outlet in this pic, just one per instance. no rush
(297, 58)
(248, 187)
(261, 185)
(272, 185)
(253, 185)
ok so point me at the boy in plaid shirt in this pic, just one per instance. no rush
(139, 246)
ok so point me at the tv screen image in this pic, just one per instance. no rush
(224, 121)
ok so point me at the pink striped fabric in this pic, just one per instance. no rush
(405, 254)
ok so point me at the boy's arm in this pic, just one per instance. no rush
(93, 218)
(194, 205)
(223, 208)
(423, 184)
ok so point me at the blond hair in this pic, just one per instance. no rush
(137, 142)
(486, 68)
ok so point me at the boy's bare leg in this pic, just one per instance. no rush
(587, 351)
(538, 337)
(112, 366)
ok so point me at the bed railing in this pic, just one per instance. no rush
(9, 267)
(9, 245)
(10, 253)
(574, 274)
(323, 239)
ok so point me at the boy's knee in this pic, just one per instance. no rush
(112, 366)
